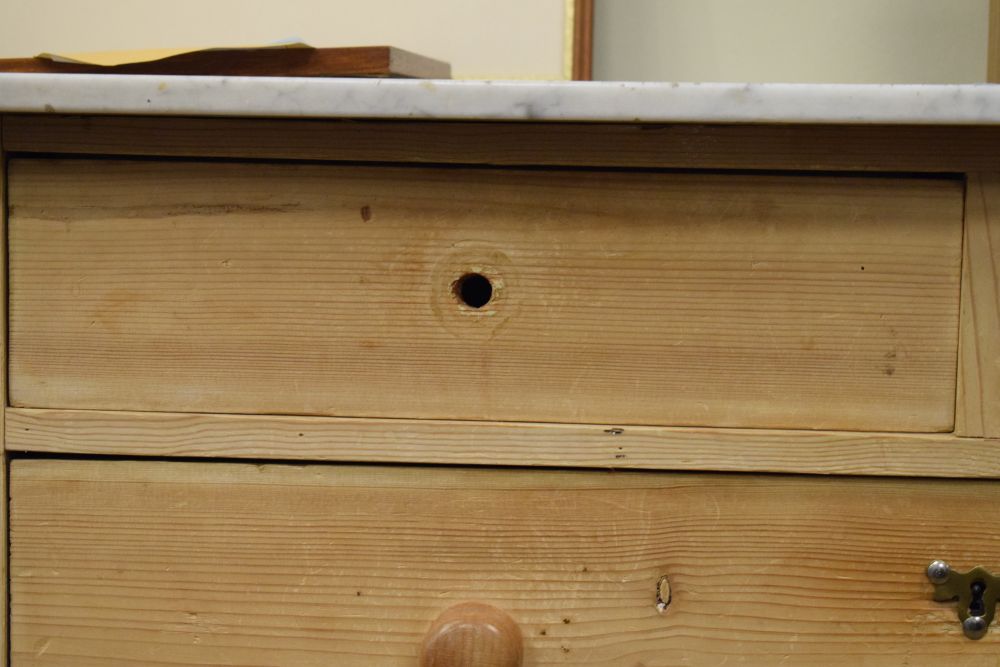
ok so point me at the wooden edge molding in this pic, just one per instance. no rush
(978, 408)
(682, 146)
(93, 432)
(4, 551)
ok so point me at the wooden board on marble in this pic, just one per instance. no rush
(617, 297)
(369, 61)
(126, 563)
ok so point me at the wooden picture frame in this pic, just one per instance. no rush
(579, 40)
(993, 48)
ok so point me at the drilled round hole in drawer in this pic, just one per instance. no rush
(473, 289)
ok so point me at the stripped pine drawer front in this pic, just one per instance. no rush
(137, 563)
(753, 300)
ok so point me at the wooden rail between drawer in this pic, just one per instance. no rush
(498, 443)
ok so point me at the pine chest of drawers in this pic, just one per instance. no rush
(645, 391)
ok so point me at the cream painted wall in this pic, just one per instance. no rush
(844, 41)
(672, 40)
(481, 38)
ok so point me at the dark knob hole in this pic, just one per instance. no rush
(474, 290)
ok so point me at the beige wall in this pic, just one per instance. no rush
(481, 38)
(863, 41)
(672, 40)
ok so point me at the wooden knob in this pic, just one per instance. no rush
(473, 634)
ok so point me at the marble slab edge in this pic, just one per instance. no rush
(960, 104)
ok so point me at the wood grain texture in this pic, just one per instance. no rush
(638, 298)
(372, 61)
(978, 411)
(799, 147)
(130, 563)
(96, 432)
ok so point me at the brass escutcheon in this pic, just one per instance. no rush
(977, 592)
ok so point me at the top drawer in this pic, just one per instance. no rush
(756, 300)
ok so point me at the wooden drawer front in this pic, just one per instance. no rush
(633, 298)
(138, 563)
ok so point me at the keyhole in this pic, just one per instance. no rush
(977, 607)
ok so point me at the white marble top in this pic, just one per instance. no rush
(500, 100)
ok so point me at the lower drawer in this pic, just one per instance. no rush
(141, 563)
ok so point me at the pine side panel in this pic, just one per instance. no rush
(978, 411)
(131, 563)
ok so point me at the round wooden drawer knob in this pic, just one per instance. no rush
(473, 634)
